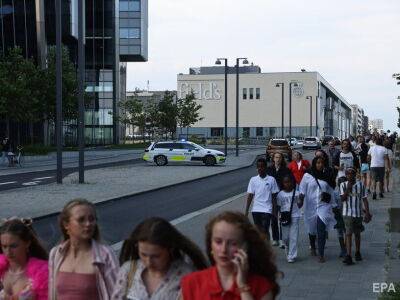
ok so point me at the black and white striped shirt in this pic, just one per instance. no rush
(353, 206)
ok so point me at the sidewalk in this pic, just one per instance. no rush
(308, 279)
(109, 183)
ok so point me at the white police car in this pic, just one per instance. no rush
(182, 151)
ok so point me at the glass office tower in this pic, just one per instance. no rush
(115, 33)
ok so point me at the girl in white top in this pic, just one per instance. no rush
(318, 197)
(152, 262)
(290, 233)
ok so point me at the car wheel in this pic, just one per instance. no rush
(160, 160)
(209, 160)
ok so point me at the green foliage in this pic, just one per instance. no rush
(168, 114)
(19, 99)
(188, 111)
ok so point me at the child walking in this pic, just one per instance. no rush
(355, 202)
(290, 204)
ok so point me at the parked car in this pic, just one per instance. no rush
(293, 142)
(300, 141)
(326, 139)
(311, 142)
(278, 145)
(182, 151)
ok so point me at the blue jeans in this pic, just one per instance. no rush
(321, 235)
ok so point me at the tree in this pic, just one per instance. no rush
(132, 113)
(188, 112)
(19, 97)
(168, 114)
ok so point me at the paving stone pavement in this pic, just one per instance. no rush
(308, 279)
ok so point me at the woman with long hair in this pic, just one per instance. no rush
(23, 262)
(242, 263)
(81, 267)
(153, 264)
(318, 197)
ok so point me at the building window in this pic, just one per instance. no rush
(257, 93)
(245, 93)
(251, 92)
(129, 5)
(259, 131)
(219, 131)
(129, 33)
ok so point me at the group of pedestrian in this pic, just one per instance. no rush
(331, 192)
(7, 153)
(156, 261)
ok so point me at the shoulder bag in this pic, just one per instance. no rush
(286, 216)
(324, 197)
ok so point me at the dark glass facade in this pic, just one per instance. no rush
(30, 24)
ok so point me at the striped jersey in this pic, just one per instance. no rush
(354, 204)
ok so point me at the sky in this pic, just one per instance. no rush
(353, 44)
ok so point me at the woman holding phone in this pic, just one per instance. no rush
(242, 263)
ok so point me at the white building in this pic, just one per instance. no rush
(357, 120)
(261, 107)
(375, 125)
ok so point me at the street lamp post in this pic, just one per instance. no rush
(81, 84)
(310, 97)
(290, 109)
(283, 103)
(218, 62)
(58, 91)
(245, 62)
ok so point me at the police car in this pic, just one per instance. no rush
(182, 151)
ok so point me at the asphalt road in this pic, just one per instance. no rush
(117, 218)
(13, 181)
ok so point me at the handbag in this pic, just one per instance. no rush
(286, 216)
(325, 197)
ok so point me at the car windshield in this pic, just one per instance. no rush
(311, 139)
(279, 143)
(197, 146)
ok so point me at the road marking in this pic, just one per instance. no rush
(30, 183)
(10, 182)
(42, 178)
(117, 246)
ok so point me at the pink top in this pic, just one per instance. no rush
(76, 286)
(36, 271)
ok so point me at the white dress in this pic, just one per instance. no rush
(313, 206)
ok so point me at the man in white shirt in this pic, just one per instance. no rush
(262, 190)
(378, 157)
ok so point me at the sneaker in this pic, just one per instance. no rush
(381, 195)
(358, 256)
(373, 196)
(290, 260)
(275, 243)
(348, 260)
(282, 245)
(321, 259)
(313, 252)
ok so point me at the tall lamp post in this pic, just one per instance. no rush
(290, 109)
(58, 91)
(245, 62)
(283, 103)
(218, 62)
(310, 97)
(81, 84)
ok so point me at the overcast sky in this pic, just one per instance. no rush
(353, 44)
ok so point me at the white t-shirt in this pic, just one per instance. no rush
(262, 189)
(347, 161)
(377, 153)
(284, 200)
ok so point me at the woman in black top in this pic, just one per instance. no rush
(278, 170)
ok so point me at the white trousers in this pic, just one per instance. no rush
(290, 235)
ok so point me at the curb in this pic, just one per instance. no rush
(117, 246)
(152, 190)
